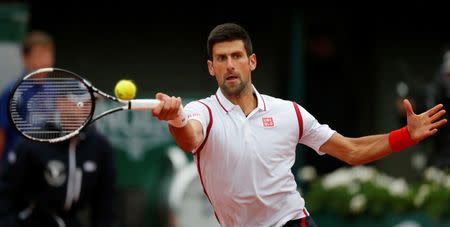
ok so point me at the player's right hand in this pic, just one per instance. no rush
(169, 107)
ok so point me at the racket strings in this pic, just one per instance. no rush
(50, 106)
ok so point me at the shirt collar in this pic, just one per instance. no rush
(227, 105)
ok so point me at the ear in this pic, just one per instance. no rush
(252, 62)
(211, 70)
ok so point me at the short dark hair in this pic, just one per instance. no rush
(228, 32)
(36, 38)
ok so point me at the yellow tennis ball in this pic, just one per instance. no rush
(125, 89)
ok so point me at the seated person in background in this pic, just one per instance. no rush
(47, 184)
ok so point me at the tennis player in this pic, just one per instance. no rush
(244, 142)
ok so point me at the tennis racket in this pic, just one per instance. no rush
(53, 105)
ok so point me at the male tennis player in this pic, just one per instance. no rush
(244, 142)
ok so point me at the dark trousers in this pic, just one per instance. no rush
(303, 222)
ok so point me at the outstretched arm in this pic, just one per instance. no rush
(356, 151)
(187, 134)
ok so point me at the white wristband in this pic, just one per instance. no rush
(181, 120)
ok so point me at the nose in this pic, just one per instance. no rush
(230, 64)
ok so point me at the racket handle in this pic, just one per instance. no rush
(142, 104)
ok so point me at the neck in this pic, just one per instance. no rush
(246, 100)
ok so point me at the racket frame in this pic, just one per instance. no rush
(135, 104)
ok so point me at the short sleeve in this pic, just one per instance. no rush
(314, 133)
(199, 112)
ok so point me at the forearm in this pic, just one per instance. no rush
(357, 151)
(188, 137)
(361, 150)
(368, 148)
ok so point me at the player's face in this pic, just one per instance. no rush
(231, 66)
(39, 57)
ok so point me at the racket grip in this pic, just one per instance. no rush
(142, 104)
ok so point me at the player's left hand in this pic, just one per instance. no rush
(425, 124)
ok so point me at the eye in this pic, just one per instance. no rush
(236, 55)
(221, 58)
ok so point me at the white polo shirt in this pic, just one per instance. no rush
(245, 163)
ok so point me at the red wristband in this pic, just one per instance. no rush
(400, 139)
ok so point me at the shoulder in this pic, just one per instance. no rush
(98, 148)
(96, 140)
(6, 90)
(208, 101)
(274, 102)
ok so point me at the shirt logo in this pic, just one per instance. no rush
(268, 122)
(55, 173)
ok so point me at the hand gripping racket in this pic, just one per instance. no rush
(53, 105)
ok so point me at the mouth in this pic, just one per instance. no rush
(231, 77)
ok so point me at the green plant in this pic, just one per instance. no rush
(363, 190)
